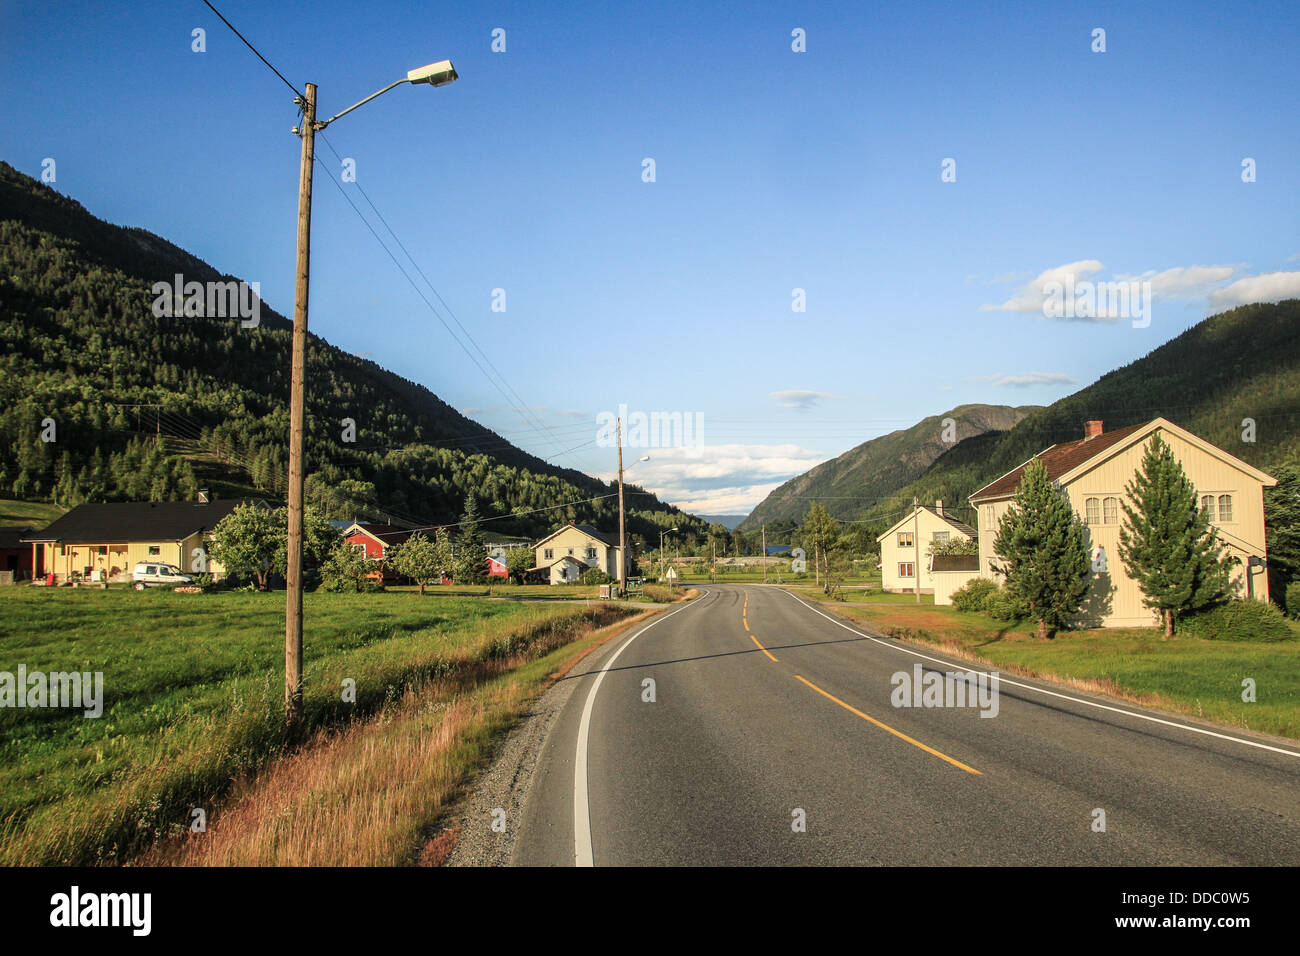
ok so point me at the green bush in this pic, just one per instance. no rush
(594, 576)
(972, 595)
(1002, 605)
(1239, 620)
(1293, 600)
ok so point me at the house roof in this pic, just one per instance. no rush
(13, 537)
(954, 562)
(953, 523)
(603, 537)
(385, 534)
(119, 522)
(1066, 459)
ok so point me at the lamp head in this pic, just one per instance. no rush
(435, 74)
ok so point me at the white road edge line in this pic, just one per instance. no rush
(1049, 693)
(582, 855)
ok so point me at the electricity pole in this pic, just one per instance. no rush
(622, 532)
(764, 554)
(916, 540)
(297, 387)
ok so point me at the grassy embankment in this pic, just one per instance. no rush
(193, 704)
(1186, 674)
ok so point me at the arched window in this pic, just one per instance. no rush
(1225, 507)
(1092, 511)
(1207, 505)
(1110, 511)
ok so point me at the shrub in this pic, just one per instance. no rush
(972, 595)
(1001, 605)
(594, 576)
(1293, 600)
(1239, 620)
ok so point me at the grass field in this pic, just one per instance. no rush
(34, 514)
(1185, 674)
(193, 688)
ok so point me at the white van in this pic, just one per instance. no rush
(153, 574)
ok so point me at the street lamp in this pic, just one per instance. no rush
(661, 549)
(435, 74)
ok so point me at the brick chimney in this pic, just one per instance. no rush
(1091, 429)
(938, 507)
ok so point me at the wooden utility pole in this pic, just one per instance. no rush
(297, 399)
(916, 541)
(622, 532)
(764, 554)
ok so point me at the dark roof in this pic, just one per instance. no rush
(955, 562)
(13, 537)
(609, 539)
(122, 521)
(1060, 459)
(961, 526)
(387, 533)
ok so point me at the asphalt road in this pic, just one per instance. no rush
(769, 711)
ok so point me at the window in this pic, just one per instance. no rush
(1207, 505)
(1110, 511)
(359, 548)
(904, 539)
(154, 549)
(941, 536)
(1092, 511)
(1225, 507)
(549, 553)
(570, 552)
(906, 569)
(591, 554)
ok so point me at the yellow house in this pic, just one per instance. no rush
(104, 542)
(1093, 473)
(565, 554)
(905, 548)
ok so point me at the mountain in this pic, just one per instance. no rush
(730, 522)
(1231, 377)
(102, 399)
(875, 470)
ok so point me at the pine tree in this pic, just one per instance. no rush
(1166, 542)
(471, 553)
(1041, 543)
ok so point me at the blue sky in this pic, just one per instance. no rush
(774, 170)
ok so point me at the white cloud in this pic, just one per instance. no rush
(731, 478)
(1182, 282)
(1029, 297)
(1026, 379)
(800, 398)
(1269, 287)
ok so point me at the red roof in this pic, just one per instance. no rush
(1060, 459)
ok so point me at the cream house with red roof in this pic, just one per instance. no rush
(905, 548)
(1093, 473)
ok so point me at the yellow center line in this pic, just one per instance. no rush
(761, 647)
(896, 733)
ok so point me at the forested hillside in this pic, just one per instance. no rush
(142, 407)
(1238, 365)
(876, 469)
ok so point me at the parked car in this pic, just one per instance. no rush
(153, 574)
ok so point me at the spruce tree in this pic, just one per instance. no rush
(1041, 543)
(471, 554)
(1166, 542)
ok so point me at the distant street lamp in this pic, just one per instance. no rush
(661, 550)
(435, 74)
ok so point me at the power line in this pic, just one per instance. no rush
(296, 91)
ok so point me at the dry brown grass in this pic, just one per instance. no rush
(372, 793)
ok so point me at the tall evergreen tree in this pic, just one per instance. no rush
(471, 554)
(1041, 543)
(1166, 542)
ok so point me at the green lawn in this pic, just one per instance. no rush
(193, 688)
(1184, 674)
(34, 514)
